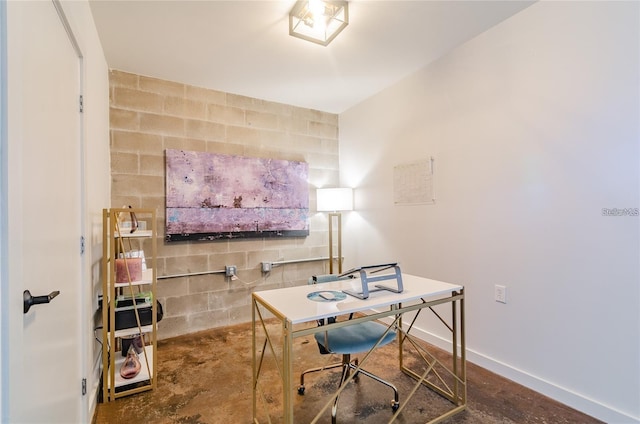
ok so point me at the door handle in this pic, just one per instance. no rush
(29, 300)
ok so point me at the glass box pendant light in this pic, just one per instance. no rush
(318, 21)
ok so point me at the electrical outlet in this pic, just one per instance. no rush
(266, 266)
(500, 294)
(230, 270)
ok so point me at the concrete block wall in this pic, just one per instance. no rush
(149, 115)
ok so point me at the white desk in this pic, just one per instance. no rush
(292, 308)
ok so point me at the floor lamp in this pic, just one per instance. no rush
(334, 201)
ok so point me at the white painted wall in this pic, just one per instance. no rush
(534, 129)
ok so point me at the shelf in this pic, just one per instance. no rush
(142, 376)
(126, 332)
(147, 278)
(117, 243)
(136, 234)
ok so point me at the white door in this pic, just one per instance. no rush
(42, 349)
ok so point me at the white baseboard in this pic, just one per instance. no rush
(570, 398)
(94, 391)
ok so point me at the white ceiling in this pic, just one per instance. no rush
(244, 47)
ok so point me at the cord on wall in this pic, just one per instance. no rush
(268, 266)
(192, 274)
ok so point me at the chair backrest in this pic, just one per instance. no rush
(323, 338)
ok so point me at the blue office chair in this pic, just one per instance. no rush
(346, 341)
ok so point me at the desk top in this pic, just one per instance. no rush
(292, 302)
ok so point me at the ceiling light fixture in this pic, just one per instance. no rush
(318, 21)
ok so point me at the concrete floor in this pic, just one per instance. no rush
(205, 378)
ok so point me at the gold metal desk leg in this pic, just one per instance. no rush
(254, 377)
(464, 350)
(287, 371)
(454, 348)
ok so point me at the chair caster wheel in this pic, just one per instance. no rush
(395, 405)
(301, 390)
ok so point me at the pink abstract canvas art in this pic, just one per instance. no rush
(211, 196)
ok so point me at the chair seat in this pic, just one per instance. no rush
(355, 338)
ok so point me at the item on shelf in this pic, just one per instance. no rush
(131, 365)
(136, 341)
(130, 225)
(141, 298)
(135, 270)
(134, 254)
(126, 316)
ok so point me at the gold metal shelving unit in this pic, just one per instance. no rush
(126, 231)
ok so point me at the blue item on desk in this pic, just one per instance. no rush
(326, 296)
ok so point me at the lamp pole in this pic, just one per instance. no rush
(338, 216)
(334, 201)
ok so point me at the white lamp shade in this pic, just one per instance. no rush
(334, 199)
